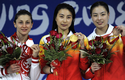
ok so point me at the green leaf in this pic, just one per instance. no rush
(17, 52)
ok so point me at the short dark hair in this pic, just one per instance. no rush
(64, 6)
(99, 3)
(23, 12)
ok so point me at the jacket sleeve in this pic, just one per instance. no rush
(3, 71)
(84, 63)
(88, 74)
(123, 40)
(41, 54)
(35, 69)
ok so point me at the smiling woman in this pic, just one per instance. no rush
(29, 61)
(113, 36)
(72, 61)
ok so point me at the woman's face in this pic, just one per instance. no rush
(100, 17)
(64, 19)
(23, 25)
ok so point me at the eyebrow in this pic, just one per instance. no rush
(101, 12)
(63, 14)
(22, 20)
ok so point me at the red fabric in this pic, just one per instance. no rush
(89, 74)
(123, 39)
(35, 58)
(25, 55)
(2, 71)
(42, 64)
(70, 68)
(6, 71)
(114, 70)
(83, 62)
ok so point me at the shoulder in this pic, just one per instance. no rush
(43, 39)
(92, 35)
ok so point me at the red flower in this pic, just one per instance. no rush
(59, 35)
(10, 50)
(61, 48)
(45, 48)
(4, 40)
(104, 45)
(91, 42)
(98, 38)
(90, 53)
(42, 56)
(1, 36)
(48, 39)
(53, 33)
(52, 45)
(105, 54)
(98, 50)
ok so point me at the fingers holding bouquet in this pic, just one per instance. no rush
(13, 68)
(55, 64)
(94, 67)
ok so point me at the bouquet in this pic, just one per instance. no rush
(56, 47)
(9, 52)
(98, 51)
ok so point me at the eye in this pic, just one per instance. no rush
(27, 22)
(95, 15)
(103, 14)
(61, 16)
(20, 22)
(69, 17)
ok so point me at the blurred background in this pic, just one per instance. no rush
(42, 12)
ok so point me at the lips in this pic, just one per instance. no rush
(64, 25)
(24, 30)
(99, 23)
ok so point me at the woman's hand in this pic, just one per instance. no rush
(80, 38)
(13, 68)
(36, 49)
(95, 66)
(81, 53)
(118, 30)
(55, 64)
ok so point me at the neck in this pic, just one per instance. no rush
(101, 31)
(64, 32)
(22, 38)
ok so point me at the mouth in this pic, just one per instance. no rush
(24, 30)
(99, 23)
(64, 25)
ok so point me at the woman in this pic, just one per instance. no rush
(28, 66)
(63, 22)
(115, 70)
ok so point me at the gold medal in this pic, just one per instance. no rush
(73, 38)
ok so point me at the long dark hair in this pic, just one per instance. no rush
(64, 6)
(99, 3)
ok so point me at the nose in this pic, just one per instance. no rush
(64, 19)
(24, 24)
(99, 17)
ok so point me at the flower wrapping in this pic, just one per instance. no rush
(98, 51)
(9, 52)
